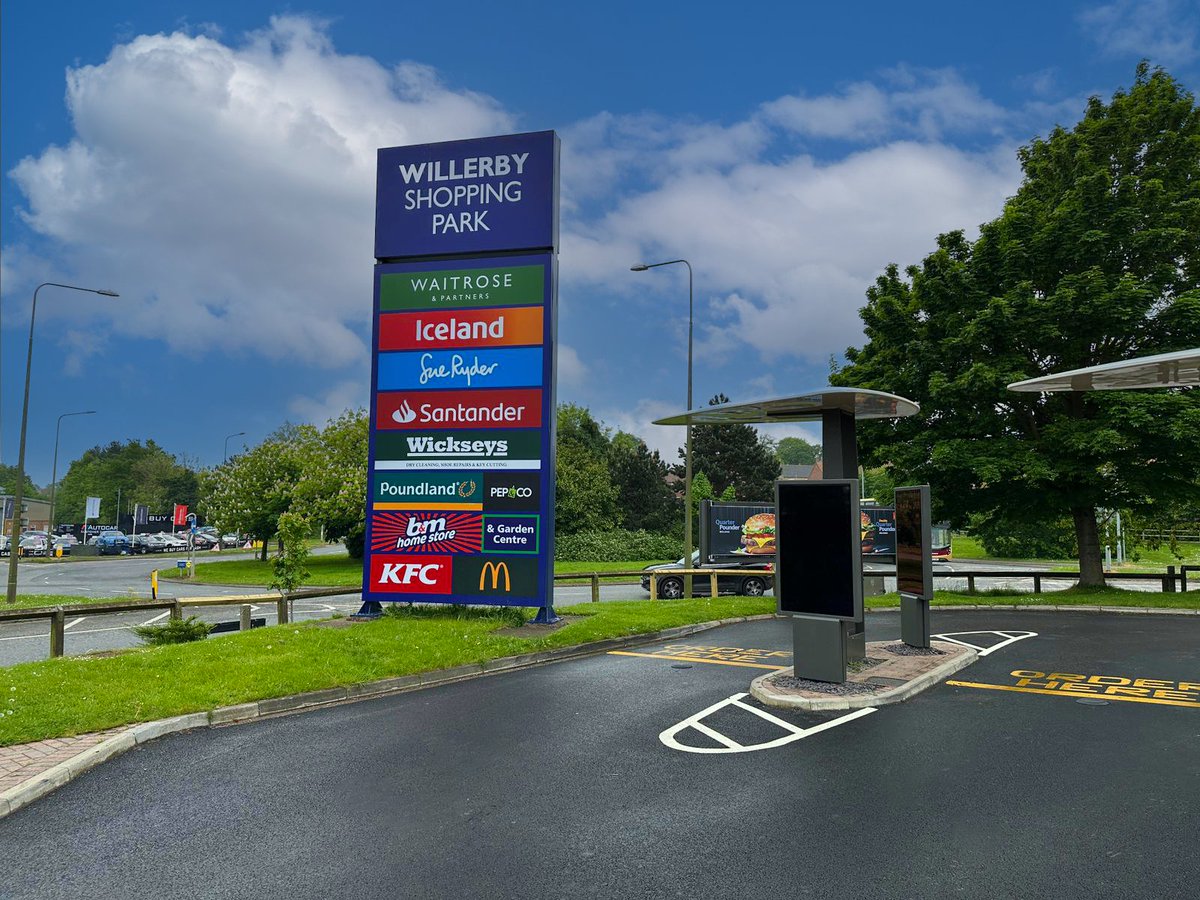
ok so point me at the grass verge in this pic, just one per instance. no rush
(74, 695)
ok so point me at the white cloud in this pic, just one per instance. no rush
(329, 405)
(571, 369)
(1165, 31)
(228, 192)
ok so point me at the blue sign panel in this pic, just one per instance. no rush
(490, 195)
(480, 368)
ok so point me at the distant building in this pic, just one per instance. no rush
(804, 473)
(35, 513)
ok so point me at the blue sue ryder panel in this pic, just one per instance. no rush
(463, 585)
(478, 367)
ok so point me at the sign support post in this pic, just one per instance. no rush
(914, 563)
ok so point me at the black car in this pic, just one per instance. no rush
(759, 578)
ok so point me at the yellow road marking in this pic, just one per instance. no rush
(1028, 690)
(693, 659)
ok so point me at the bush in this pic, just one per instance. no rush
(355, 542)
(617, 545)
(175, 631)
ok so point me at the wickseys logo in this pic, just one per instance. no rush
(521, 408)
(458, 449)
(429, 490)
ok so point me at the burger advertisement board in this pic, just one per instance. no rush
(736, 529)
(461, 490)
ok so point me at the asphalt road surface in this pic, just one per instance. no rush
(582, 779)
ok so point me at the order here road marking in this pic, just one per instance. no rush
(728, 745)
(1110, 687)
(715, 662)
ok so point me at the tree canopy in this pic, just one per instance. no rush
(1095, 259)
(796, 451)
(734, 456)
(141, 473)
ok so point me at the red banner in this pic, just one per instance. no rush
(180, 514)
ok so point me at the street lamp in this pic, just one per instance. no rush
(687, 470)
(227, 437)
(54, 471)
(19, 493)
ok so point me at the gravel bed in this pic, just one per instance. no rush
(823, 687)
(903, 649)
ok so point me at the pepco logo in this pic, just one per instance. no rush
(403, 575)
(513, 492)
(495, 570)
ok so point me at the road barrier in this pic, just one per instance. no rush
(58, 614)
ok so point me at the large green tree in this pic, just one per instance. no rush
(8, 483)
(734, 456)
(586, 498)
(1095, 259)
(250, 491)
(644, 497)
(139, 473)
(796, 451)
(332, 489)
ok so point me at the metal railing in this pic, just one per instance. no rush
(58, 614)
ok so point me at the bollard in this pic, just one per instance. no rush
(244, 624)
(58, 632)
(176, 610)
(712, 584)
(281, 610)
(595, 588)
(653, 586)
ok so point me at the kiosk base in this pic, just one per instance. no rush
(914, 621)
(819, 648)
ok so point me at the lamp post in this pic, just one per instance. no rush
(19, 493)
(687, 466)
(54, 471)
(227, 437)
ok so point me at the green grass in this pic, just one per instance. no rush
(74, 695)
(338, 569)
(37, 601)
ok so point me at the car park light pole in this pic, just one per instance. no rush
(687, 453)
(227, 437)
(54, 471)
(19, 492)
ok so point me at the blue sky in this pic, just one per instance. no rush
(214, 163)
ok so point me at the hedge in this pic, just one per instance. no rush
(617, 545)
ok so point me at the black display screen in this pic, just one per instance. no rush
(819, 546)
(914, 546)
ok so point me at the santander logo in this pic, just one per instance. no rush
(404, 414)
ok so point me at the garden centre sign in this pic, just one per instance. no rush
(461, 491)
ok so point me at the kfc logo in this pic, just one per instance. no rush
(401, 575)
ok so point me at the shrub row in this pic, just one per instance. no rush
(617, 545)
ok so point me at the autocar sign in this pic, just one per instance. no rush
(461, 501)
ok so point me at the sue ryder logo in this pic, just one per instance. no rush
(399, 575)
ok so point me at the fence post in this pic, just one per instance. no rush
(58, 632)
(176, 610)
(595, 588)
(653, 586)
(970, 584)
(244, 623)
(281, 610)
(712, 584)
(1169, 581)
(1183, 573)
(1037, 582)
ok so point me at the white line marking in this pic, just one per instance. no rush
(794, 732)
(1010, 637)
(161, 615)
(73, 623)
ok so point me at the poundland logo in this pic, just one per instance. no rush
(440, 491)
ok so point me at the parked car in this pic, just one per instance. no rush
(232, 539)
(173, 542)
(146, 543)
(203, 540)
(61, 543)
(758, 578)
(112, 543)
(34, 543)
(5, 545)
(67, 539)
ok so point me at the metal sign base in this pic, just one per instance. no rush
(371, 609)
(914, 621)
(819, 648)
(546, 616)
